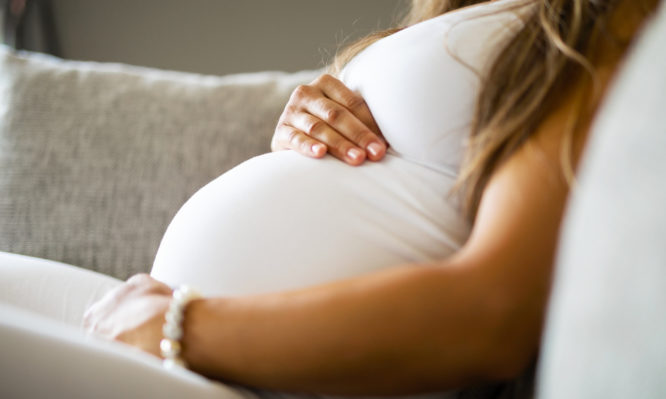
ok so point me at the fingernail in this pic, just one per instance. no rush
(375, 149)
(354, 154)
(317, 149)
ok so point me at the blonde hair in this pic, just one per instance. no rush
(543, 60)
(419, 11)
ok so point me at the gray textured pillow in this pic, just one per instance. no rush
(95, 159)
(606, 328)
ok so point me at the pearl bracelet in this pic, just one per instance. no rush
(170, 345)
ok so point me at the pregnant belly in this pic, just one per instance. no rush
(282, 221)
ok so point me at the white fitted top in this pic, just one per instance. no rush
(282, 221)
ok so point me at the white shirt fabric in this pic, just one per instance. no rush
(283, 221)
(278, 221)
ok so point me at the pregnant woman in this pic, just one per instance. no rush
(416, 256)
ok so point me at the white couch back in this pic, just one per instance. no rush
(606, 329)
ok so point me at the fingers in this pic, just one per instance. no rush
(143, 284)
(326, 116)
(338, 92)
(139, 285)
(347, 112)
(289, 137)
(340, 147)
(347, 127)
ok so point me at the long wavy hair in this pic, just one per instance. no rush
(546, 57)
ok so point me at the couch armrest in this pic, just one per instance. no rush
(95, 159)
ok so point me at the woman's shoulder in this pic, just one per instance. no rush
(525, 197)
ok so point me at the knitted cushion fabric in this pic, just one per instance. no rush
(95, 159)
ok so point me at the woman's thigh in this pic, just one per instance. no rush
(44, 358)
(56, 290)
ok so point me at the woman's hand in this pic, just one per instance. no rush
(132, 313)
(326, 116)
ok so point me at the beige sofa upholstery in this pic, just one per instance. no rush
(95, 159)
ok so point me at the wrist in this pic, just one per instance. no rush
(207, 342)
(171, 346)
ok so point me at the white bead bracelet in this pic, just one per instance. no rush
(170, 346)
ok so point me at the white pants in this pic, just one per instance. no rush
(45, 354)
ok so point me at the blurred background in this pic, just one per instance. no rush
(204, 36)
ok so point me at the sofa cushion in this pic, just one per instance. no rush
(606, 328)
(95, 159)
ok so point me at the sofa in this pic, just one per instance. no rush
(96, 158)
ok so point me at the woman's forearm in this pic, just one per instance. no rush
(403, 330)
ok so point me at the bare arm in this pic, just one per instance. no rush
(413, 328)
(475, 316)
